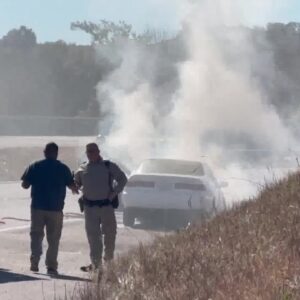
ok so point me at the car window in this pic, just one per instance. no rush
(172, 167)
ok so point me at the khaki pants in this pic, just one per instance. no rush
(98, 221)
(53, 221)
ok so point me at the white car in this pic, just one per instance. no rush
(171, 190)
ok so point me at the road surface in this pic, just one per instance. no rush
(16, 280)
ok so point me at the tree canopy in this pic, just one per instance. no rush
(60, 79)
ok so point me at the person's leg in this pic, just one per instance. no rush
(36, 237)
(54, 224)
(93, 233)
(109, 228)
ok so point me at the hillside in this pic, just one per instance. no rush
(250, 252)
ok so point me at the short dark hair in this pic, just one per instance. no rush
(92, 145)
(51, 148)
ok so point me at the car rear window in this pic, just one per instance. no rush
(172, 167)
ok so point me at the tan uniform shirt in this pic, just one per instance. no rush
(94, 179)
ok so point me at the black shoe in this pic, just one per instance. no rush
(88, 268)
(51, 271)
(34, 268)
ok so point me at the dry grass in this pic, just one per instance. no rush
(249, 252)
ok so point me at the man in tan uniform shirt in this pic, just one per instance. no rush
(95, 178)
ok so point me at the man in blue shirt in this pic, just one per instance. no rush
(48, 179)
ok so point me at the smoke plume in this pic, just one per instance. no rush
(211, 93)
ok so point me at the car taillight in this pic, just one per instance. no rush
(190, 186)
(142, 184)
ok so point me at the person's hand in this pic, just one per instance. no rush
(74, 189)
(112, 195)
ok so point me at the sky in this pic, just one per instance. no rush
(51, 19)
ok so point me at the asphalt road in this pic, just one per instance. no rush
(16, 280)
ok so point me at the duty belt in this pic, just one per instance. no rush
(99, 203)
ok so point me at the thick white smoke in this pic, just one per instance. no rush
(216, 91)
(221, 94)
(128, 102)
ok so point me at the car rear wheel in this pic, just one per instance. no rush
(128, 217)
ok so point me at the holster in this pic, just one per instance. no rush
(81, 203)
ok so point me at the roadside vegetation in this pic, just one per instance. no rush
(57, 79)
(249, 252)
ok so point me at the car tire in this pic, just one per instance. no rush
(128, 217)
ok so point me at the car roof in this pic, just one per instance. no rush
(197, 164)
(174, 160)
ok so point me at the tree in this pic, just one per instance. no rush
(23, 38)
(105, 32)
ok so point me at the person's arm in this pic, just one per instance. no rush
(77, 178)
(73, 188)
(119, 177)
(70, 183)
(25, 184)
(27, 177)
